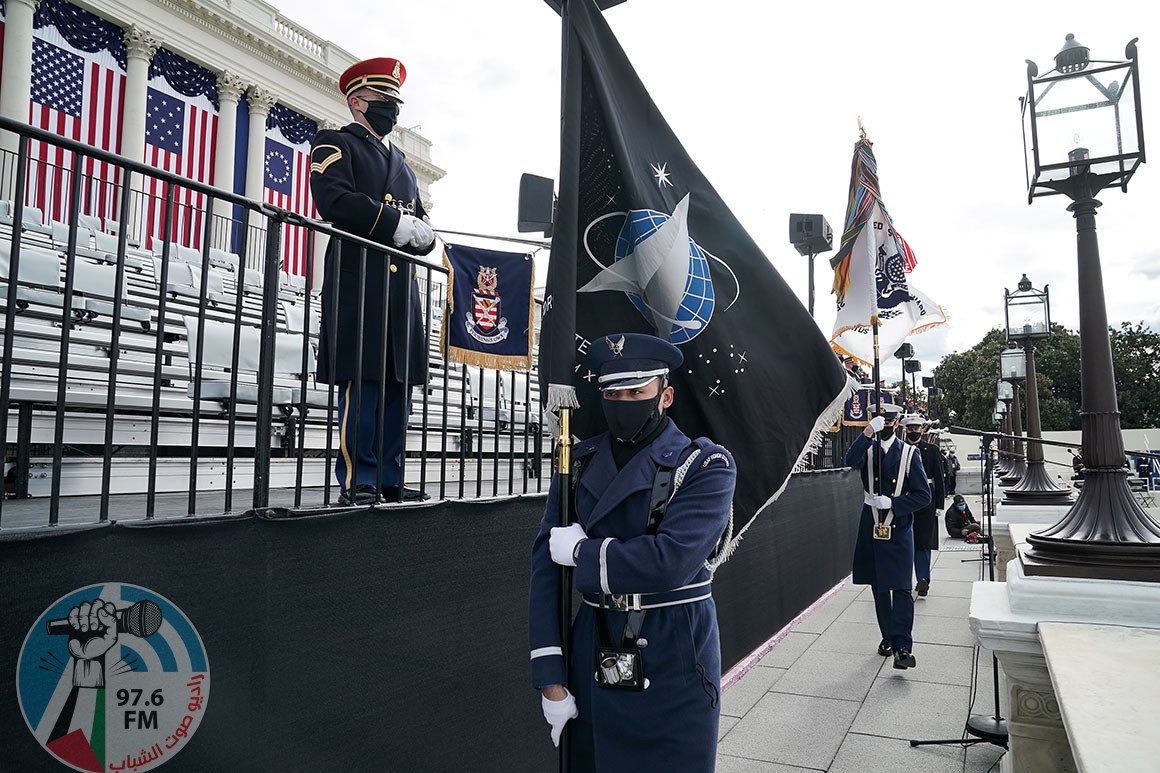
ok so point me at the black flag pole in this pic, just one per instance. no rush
(557, 375)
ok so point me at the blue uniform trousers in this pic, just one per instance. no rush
(360, 466)
(895, 611)
(922, 565)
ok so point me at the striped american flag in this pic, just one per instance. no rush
(287, 185)
(75, 94)
(180, 134)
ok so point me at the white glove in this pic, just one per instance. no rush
(881, 501)
(421, 235)
(558, 713)
(562, 543)
(411, 230)
(877, 423)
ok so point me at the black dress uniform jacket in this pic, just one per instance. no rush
(363, 186)
(926, 531)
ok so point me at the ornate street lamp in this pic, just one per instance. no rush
(1029, 320)
(1009, 394)
(1003, 464)
(1083, 132)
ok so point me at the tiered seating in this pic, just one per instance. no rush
(158, 371)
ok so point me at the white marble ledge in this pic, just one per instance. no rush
(1020, 531)
(1117, 602)
(1006, 512)
(996, 626)
(1108, 686)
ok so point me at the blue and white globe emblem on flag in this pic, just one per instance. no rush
(697, 303)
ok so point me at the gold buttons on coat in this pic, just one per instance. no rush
(394, 268)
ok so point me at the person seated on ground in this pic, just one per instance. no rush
(960, 522)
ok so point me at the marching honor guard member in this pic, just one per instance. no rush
(361, 183)
(653, 507)
(884, 552)
(926, 531)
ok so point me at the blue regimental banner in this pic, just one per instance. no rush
(860, 407)
(490, 308)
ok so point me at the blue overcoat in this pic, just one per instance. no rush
(671, 725)
(888, 564)
(364, 186)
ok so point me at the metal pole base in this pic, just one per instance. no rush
(1106, 535)
(1037, 488)
(992, 730)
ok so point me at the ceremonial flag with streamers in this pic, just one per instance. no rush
(286, 180)
(180, 133)
(643, 243)
(870, 273)
(490, 308)
(78, 87)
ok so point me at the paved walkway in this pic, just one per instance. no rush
(822, 699)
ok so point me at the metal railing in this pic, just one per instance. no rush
(153, 379)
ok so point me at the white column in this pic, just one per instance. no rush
(140, 46)
(229, 88)
(260, 100)
(16, 91)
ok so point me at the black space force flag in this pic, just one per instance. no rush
(642, 243)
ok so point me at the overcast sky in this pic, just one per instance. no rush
(766, 98)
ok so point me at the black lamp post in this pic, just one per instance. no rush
(1028, 313)
(1082, 133)
(1009, 394)
(1003, 465)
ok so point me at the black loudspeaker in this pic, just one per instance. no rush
(913, 366)
(928, 381)
(537, 205)
(904, 352)
(810, 234)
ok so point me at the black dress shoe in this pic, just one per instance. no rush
(884, 648)
(903, 658)
(364, 494)
(923, 587)
(391, 494)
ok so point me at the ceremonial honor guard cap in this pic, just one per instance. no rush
(383, 74)
(889, 411)
(913, 420)
(631, 360)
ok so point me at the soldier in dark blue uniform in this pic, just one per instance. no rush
(884, 553)
(643, 684)
(362, 184)
(926, 531)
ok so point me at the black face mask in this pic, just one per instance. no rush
(382, 115)
(630, 420)
(913, 437)
(886, 433)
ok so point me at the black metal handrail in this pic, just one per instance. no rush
(141, 339)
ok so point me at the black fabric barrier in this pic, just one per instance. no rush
(797, 549)
(384, 640)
